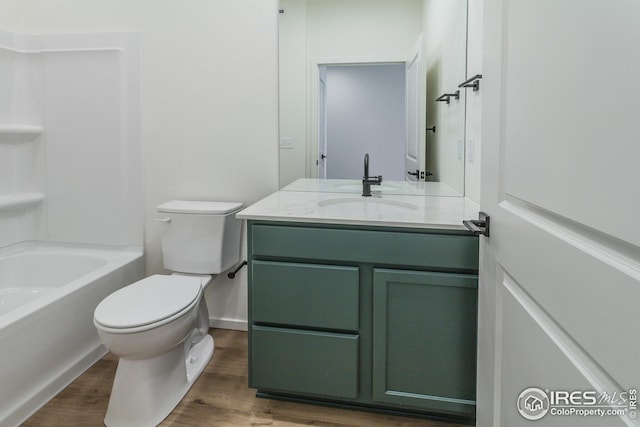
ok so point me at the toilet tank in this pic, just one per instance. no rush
(200, 237)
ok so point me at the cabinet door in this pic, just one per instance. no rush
(424, 340)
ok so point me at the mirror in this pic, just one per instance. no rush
(362, 76)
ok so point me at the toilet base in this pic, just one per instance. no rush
(145, 391)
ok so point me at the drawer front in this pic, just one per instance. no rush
(317, 296)
(313, 363)
(436, 251)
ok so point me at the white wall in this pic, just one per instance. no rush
(362, 28)
(451, 137)
(474, 102)
(292, 50)
(209, 101)
(445, 40)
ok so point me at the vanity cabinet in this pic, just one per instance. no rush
(365, 316)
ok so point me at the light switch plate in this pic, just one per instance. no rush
(471, 147)
(286, 143)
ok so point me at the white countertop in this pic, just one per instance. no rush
(382, 210)
(408, 188)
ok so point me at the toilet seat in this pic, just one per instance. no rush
(148, 303)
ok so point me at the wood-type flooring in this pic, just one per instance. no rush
(219, 398)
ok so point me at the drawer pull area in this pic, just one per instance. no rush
(308, 362)
(305, 295)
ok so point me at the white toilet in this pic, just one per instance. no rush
(158, 325)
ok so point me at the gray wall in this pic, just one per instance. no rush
(366, 114)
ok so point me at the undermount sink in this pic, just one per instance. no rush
(378, 204)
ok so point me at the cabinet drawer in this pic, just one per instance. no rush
(317, 296)
(448, 251)
(287, 360)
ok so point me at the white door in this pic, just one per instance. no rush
(559, 303)
(322, 129)
(415, 115)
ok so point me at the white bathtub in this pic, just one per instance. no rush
(48, 292)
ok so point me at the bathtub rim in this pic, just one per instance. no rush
(116, 257)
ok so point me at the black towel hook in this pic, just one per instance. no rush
(473, 82)
(447, 96)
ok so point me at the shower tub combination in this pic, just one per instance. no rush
(48, 292)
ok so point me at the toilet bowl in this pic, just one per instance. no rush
(155, 327)
(159, 325)
(130, 324)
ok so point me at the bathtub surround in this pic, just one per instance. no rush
(70, 139)
(70, 171)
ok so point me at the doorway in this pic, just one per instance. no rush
(362, 110)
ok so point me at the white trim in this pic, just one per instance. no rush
(87, 49)
(233, 324)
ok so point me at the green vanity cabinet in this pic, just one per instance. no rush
(364, 316)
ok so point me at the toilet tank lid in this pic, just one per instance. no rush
(199, 207)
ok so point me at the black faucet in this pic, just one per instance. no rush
(368, 181)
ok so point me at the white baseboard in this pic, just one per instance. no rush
(234, 324)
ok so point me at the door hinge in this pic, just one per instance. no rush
(480, 225)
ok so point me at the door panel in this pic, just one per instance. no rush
(415, 113)
(560, 274)
(528, 337)
(322, 129)
(580, 281)
(569, 110)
